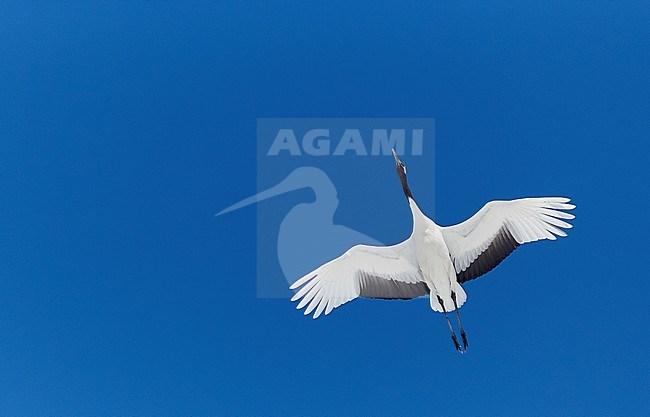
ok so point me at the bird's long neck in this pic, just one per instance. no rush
(405, 186)
(420, 220)
(415, 210)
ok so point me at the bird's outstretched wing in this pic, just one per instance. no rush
(480, 243)
(388, 272)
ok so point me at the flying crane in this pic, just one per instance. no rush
(434, 260)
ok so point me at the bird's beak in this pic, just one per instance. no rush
(283, 187)
(397, 161)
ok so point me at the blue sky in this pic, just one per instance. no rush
(125, 127)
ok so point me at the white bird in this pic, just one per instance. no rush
(434, 260)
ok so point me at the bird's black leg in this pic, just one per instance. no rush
(451, 329)
(460, 323)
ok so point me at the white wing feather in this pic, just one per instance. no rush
(480, 243)
(363, 271)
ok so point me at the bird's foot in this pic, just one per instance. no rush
(456, 344)
(464, 337)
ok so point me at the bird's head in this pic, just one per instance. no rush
(302, 177)
(401, 173)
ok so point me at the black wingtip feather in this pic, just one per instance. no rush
(501, 246)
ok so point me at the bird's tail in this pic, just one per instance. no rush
(461, 297)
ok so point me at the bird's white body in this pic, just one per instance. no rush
(433, 261)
